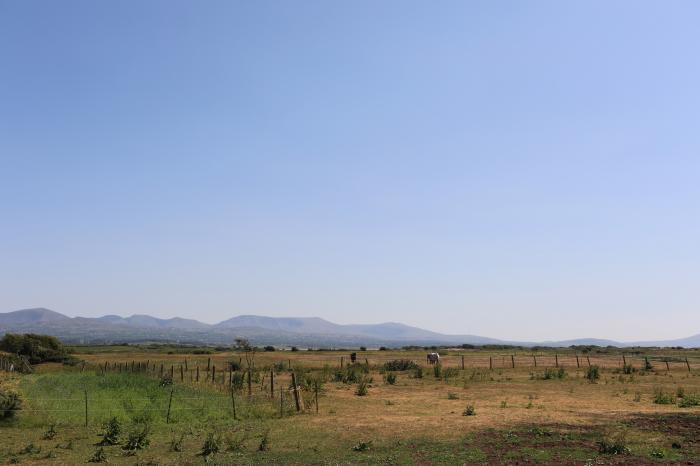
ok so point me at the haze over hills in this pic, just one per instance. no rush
(261, 330)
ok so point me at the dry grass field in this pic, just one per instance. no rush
(477, 415)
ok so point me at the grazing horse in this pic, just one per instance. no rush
(433, 358)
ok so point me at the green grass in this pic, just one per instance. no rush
(60, 397)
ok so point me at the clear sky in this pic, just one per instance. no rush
(523, 170)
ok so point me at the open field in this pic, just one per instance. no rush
(522, 415)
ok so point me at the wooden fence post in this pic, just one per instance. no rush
(556, 360)
(208, 364)
(182, 374)
(534, 359)
(86, 408)
(272, 384)
(589, 360)
(577, 363)
(170, 402)
(687, 363)
(462, 362)
(490, 363)
(186, 364)
(289, 364)
(172, 371)
(667, 368)
(624, 360)
(296, 392)
(197, 373)
(213, 374)
(512, 360)
(250, 382)
(233, 403)
(281, 401)
(341, 362)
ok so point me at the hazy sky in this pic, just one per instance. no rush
(524, 170)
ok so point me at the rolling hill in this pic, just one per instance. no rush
(261, 330)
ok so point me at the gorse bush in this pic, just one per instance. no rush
(212, 444)
(552, 373)
(351, 374)
(400, 365)
(138, 439)
(362, 387)
(613, 446)
(663, 398)
(10, 403)
(37, 348)
(111, 433)
(688, 401)
(593, 373)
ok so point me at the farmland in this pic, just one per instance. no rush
(479, 406)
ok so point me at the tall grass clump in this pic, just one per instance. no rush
(10, 403)
(593, 374)
(400, 365)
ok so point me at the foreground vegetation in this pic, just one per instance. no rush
(389, 408)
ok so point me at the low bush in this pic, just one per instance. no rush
(10, 403)
(99, 456)
(111, 433)
(593, 373)
(688, 401)
(138, 439)
(264, 441)
(212, 444)
(613, 446)
(552, 373)
(37, 348)
(390, 378)
(362, 387)
(51, 433)
(469, 411)
(663, 398)
(452, 396)
(362, 446)
(437, 371)
(400, 365)
(417, 373)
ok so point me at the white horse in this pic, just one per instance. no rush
(433, 358)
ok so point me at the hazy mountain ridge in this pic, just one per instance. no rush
(301, 331)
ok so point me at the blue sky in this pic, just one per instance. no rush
(522, 170)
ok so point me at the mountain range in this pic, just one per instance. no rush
(280, 331)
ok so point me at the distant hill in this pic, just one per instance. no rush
(261, 330)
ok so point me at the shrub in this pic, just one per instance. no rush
(294, 348)
(362, 387)
(382, 348)
(269, 348)
(418, 373)
(363, 348)
(10, 403)
(647, 365)
(452, 396)
(400, 365)
(657, 453)
(98, 456)
(351, 374)
(593, 374)
(237, 380)
(504, 404)
(663, 398)
(628, 369)
(688, 401)
(111, 434)
(212, 444)
(234, 366)
(450, 373)
(613, 446)
(362, 446)
(390, 378)
(138, 439)
(37, 348)
(264, 441)
(551, 373)
(469, 411)
(680, 392)
(176, 443)
(437, 370)
(51, 433)
(166, 380)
